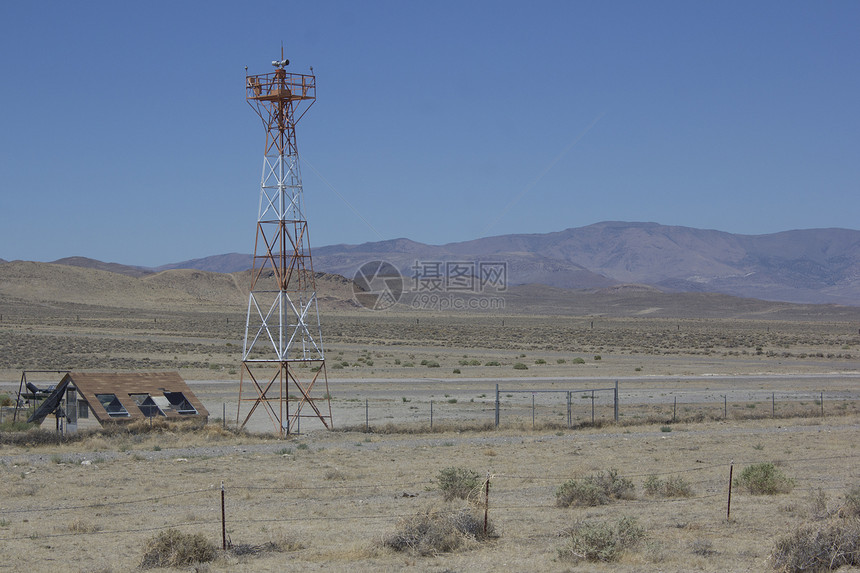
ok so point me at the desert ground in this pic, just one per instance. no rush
(695, 396)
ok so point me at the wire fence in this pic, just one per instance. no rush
(506, 495)
(573, 407)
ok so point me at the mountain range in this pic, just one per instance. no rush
(812, 266)
(804, 266)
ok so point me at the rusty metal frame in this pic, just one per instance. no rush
(282, 331)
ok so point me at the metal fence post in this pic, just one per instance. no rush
(729, 503)
(592, 407)
(497, 405)
(486, 502)
(568, 410)
(616, 401)
(223, 521)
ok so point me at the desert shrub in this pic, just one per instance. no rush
(818, 504)
(821, 546)
(578, 360)
(763, 479)
(24, 434)
(852, 503)
(674, 486)
(520, 366)
(438, 531)
(600, 541)
(492, 363)
(703, 547)
(276, 544)
(172, 548)
(598, 489)
(457, 483)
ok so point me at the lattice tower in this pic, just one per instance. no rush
(283, 349)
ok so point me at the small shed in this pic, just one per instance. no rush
(121, 397)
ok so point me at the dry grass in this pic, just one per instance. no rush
(334, 501)
(339, 495)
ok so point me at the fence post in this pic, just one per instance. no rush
(568, 410)
(616, 401)
(431, 414)
(729, 504)
(822, 404)
(223, 520)
(592, 407)
(674, 408)
(533, 410)
(725, 406)
(773, 405)
(486, 502)
(497, 405)
(366, 416)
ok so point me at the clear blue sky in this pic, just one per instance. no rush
(125, 136)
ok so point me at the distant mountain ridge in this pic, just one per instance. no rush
(806, 266)
(803, 266)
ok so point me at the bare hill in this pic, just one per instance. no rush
(99, 265)
(229, 263)
(181, 289)
(24, 284)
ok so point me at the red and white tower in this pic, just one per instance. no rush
(283, 349)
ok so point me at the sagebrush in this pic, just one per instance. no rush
(763, 479)
(173, 548)
(600, 541)
(820, 546)
(434, 531)
(458, 483)
(598, 489)
(673, 486)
